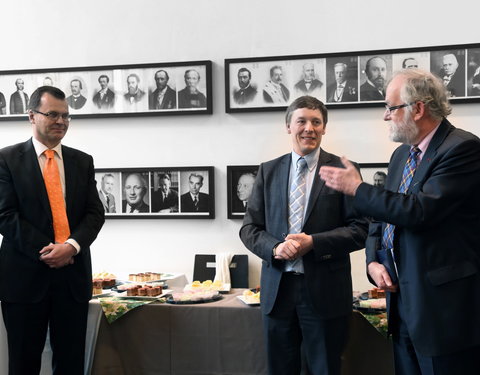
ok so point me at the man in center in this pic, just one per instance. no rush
(304, 233)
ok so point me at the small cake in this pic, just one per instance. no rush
(97, 286)
(142, 292)
(132, 291)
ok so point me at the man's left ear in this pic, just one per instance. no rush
(288, 129)
(30, 117)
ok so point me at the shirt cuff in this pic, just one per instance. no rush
(74, 243)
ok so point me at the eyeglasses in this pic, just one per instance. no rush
(395, 107)
(54, 116)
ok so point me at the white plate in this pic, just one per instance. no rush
(242, 298)
(105, 292)
(148, 298)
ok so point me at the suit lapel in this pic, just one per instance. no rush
(32, 169)
(318, 184)
(70, 166)
(436, 141)
(282, 177)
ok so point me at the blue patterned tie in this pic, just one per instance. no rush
(408, 172)
(296, 207)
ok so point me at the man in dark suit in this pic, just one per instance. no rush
(194, 200)
(165, 199)
(45, 276)
(243, 192)
(452, 75)
(304, 233)
(342, 90)
(19, 99)
(135, 189)
(431, 241)
(105, 98)
(274, 90)
(246, 93)
(164, 97)
(76, 100)
(3, 104)
(374, 87)
(105, 193)
(134, 94)
(190, 96)
(309, 85)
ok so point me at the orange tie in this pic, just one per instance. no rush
(51, 176)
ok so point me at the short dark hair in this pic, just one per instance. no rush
(104, 76)
(77, 80)
(196, 175)
(38, 93)
(245, 70)
(309, 102)
(164, 176)
(273, 68)
(161, 70)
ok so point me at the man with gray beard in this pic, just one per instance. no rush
(424, 246)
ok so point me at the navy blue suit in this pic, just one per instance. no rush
(336, 231)
(436, 241)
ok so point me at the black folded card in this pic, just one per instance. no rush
(385, 257)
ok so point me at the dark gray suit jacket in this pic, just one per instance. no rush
(437, 239)
(330, 219)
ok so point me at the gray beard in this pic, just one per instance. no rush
(405, 132)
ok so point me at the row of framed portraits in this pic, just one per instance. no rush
(186, 192)
(111, 91)
(341, 80)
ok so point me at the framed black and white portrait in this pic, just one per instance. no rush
(115, 91)
(240, 180)
(374, 173)
(168, 192)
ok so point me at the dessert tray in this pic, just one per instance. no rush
(248, 302)
(123, 295)
(187, 298)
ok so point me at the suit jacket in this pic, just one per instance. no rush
(110, 207)
(137, 97)
(16, 106)
(169, 99)
(350, 93)
(368, 92)
(188, 100)
(26, 223)
(142, 207)
(244, 96)
(107, 101)
(330, 219)
(237, 204)
(170, 202)
(436, 239)
(3, 105)
(187, 205)
(76, 104)
(285, 94)
(456, 86)
(313, 90)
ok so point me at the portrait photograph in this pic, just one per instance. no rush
(449, 66)
(374, 173)
(376, 70)
(102, 91)
(15, 91)
(135, 192)
(109, 191)
(195, 195)
(342, 79)
(473, 72)
(77, 93)
(133, 97)
(308, 78)
(240, 180)
(162, 88)
(412, 60)
(192, 88)
(164, 191)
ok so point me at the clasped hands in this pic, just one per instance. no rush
(58, 255)
(294, 246)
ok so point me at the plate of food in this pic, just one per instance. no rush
(104, 293)
(371, 306)
(250, 297)
(194, 297)
(208, 285)
(164, 293)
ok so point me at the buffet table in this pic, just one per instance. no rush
(222, 337)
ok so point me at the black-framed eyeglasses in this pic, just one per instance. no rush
(395, 107)
(54, 116)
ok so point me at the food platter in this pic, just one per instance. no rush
(246, 302)
(105, 292)
(123, 295)
(191, 302)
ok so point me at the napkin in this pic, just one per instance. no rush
(114, 308)
(222, 267)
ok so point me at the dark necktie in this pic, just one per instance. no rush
(108, 204)
(408, 172)
(195, 203)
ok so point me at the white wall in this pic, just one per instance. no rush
(68, 33)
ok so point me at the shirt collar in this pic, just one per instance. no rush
(40, 148)
(423, 145)
(311, 159)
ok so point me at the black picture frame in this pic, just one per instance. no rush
(374, 173)
(148, 200)
(83, 88)
(238, 196)
(259, 94)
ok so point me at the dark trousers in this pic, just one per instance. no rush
(408, 361)
(27, 323)
(294, 322)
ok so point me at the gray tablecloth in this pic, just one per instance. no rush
(223, 337)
